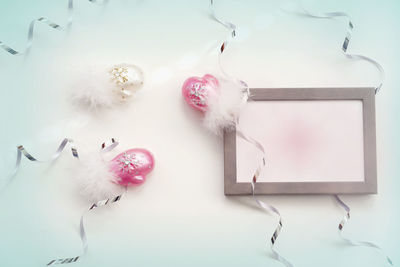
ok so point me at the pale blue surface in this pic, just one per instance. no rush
(181, 218)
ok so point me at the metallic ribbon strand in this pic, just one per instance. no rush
(82, 231)
(346, 42)
(266, 207)
(104, 202)
(48, 23)
(232, 28)
(31, 31)
(246, 93)
(274, 237)
(22, 151)
(30, 36)
(352, 242)
(350, 27)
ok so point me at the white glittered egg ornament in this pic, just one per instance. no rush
(97, 87)
(128, 78)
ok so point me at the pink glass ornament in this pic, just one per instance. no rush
(198, 90)
(132, 166)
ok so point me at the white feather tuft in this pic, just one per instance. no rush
(224, 110)
(92, 88)
(95, 180)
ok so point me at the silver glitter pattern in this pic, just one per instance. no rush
(198, 94)
(128, 163)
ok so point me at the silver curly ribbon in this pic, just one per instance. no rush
(268, 208)
(352, 242)
(232, 27)
(104, 148)
(22, 151)
(350, 27)
(47, 22)
(82, 231)
(30, 36)
(246, 92)
(346, 42)
(104, 202)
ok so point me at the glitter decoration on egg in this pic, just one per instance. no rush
(96, 87)
(128, 163)
(132, 166)
(99, 178)
(197, 91)
(219, 100)
(128, 78)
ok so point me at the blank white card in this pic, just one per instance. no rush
(305, 141)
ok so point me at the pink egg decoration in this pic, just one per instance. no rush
(132, 166)
(198, 90)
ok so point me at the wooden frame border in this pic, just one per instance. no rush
(368, 186)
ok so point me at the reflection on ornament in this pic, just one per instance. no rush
(132, 166)
(128, 162)
(97, 87)
(198, 90)
(127, 77)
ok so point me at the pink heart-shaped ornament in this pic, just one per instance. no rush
(197, 91)
(132, 166)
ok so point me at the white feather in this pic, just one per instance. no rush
(95, 180)
(224, 110)
(91, 88)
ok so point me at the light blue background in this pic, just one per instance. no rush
(181, 217)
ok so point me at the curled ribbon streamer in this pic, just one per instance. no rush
(268, 208)
(232, 27)
(30, 35)
(82, 231)
(22, 151)
(100, 203)
(246, 90)
(352, 242)
(31, 31)
(350, 27)
(48, 23)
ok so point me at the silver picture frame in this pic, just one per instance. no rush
(368, 186)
